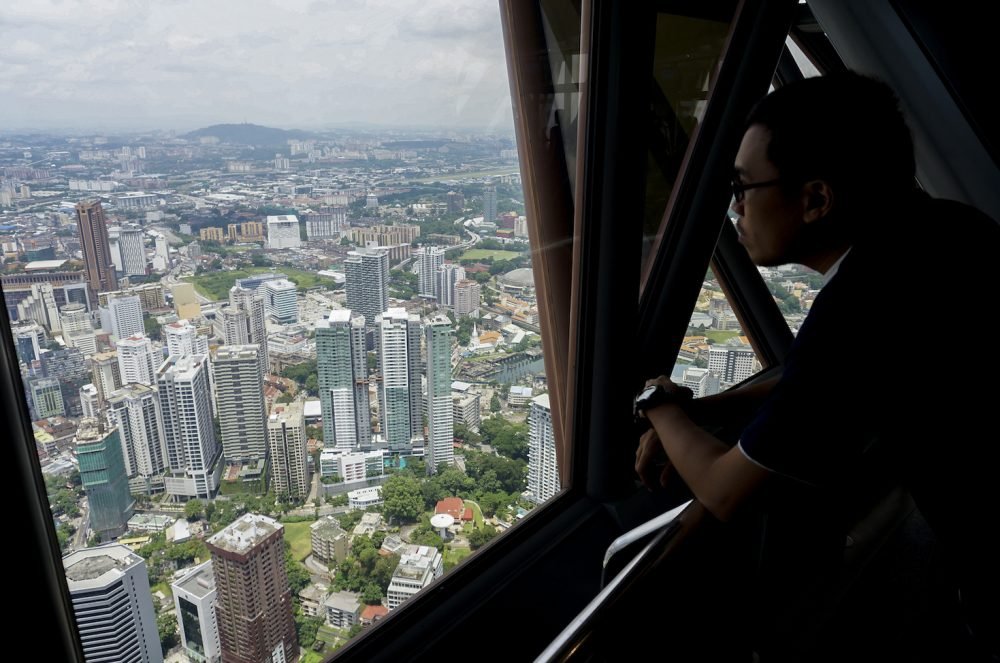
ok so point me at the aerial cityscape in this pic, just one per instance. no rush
(229, 344)
(281, 380)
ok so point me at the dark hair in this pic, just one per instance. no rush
(844, 128)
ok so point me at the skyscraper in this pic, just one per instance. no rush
(286, 436)
(133, 251)
(135, 409)
(77, 330)
(283, 232)
(489, 203)
(251, 329)
(444, 287)
(106, 374)
(194, 604)
(112, 605)
(46, 398)
(96, 248)
(193, 452)
(429, 258)
(239, 388)
(466, 298)
(366, 274)
(543, 473)
(126, 316)
(342, 368)
(280, 301)
(398, 340)
(102, 471)
(90, 401)
(732, 363)
(440, 415)
(183, 339)
(253, 598)
(136, 360)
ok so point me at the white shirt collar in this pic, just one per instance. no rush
(830, 273)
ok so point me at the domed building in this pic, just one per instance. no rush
(518, 282)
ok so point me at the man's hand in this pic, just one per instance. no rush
(651, 462)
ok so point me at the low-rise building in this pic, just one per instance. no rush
(343, 609)
(329, 540)
(369, 524)
(419, 566)
(362, 498)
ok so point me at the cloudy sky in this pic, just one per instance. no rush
(183, 64)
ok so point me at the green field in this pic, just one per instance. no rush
(216, 285)
(452, 556)
(720, 336)
(477, 513)
(299, 536)
(496, 254)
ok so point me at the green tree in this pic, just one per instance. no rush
(312, 385)
(298, 577)
(495, 403)
(307, 628)
(193, 510)
(371, 594)
(337, 500)
(481, 535)
(463, 433)
(402, 497)
(152, 328)
(166, 626)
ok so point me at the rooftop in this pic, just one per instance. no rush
(198, 580)
(245, 533)
(542, 400)
(43, 265)
(344, 601)
(97, 567)
(327, 527)
(416, 561)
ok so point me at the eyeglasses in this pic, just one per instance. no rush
(739, 190)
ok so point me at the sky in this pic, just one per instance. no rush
(306, 64)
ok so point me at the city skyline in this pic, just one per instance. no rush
(182, 66)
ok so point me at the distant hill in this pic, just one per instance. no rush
(249, 134)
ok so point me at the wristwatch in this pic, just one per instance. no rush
(655, 395)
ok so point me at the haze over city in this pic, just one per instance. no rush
(111, 65)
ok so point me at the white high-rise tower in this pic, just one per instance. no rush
(398, 335)
(342, 367)
(239, 388)
(193, 452)
(440, 412)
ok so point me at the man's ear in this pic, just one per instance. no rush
(817, 200)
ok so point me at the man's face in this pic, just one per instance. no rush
(770, 222)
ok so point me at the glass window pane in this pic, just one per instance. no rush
(274, 304)
(688, 51)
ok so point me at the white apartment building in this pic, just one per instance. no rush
(732, 363)
(429, 258)
(182, 338)
(126, 316)
(193, 452)
(286, 435)
(135, 410)
(239, 389)
(362, 498)
(440, 410)
(136, 360)
(342, 373)
(543, 472)
(280, 301)
(418, 567)
(283, 232)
